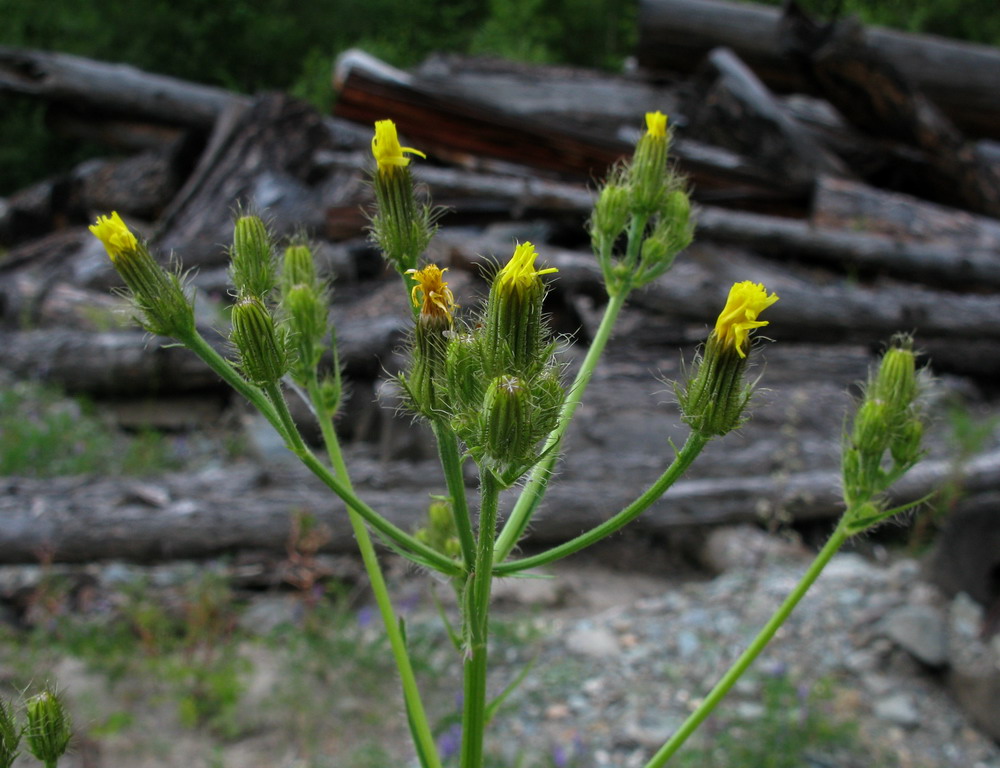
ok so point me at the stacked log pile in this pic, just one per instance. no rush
(864, 222)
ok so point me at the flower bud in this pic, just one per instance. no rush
(10, 736)
(905, 447)
(515, 337)
(263, 353)
(48, 732)
(440, 533)
(433, 325)
(896, 382)
(251, 265)
(611, 213)
(507, 430)
(649, 173)
(157, 294)
(464, 372)
(299, 267)
(713, 400)
(401, 227)
(871, 431)
(308, 321)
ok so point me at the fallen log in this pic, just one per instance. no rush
(875, 95)
(945, 264)
(261, 156)
(849, 205)
(113, 89)
(961, 78)
(730, 107)
(214, 512)
(464, 131)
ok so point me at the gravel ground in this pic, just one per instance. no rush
(611, 684)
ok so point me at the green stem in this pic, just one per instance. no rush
(538, 480)
(225, 370)
(684, 458)
(477, 627)
(451, 464)
(277, 414)
(411, 692)
(741, 665)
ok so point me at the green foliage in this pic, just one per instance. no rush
(283, 44)
(44, 434)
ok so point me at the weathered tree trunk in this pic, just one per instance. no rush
(730, 107)
(464, 131)
(874, 94)
(963, 79)
(80, 519)
(114, 89)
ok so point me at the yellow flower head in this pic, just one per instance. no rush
(438, 300)
(117, 238)
(385, 147)
(656, 124)
(520, 271)
(746, 301)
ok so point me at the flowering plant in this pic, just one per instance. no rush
(492, 389)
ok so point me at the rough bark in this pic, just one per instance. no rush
(113, 89)
(961, 78)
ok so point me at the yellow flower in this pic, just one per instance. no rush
(117, 238)
(520, 272)
(385, 147)
(656, 124)
(746, 301)
(438, 300)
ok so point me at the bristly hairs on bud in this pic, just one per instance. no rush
(10, 735)
(252, 264)
(400, 225)
(714, 399)
(884, 440)
(262, 346)
(48, 732)
(305, 311)
(158, 295)
(646, 199)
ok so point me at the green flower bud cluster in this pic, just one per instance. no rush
(262, 344)
(503, 383)
(48, 732)
(495, 381)
(158, 294)
(646, 199)
(885, 438)
(440, 533)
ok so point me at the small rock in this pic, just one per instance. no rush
(597, 642)
(921, 630)
(899, 710)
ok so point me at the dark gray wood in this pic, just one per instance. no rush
(961, 78)
(118, 89)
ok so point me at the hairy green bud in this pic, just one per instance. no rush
(649, 175)
(10, 735)
(252, 267)
(508, 437)
(263, 352)
(48, 732)
(299, 267)
(515, 338)
(158, 295)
